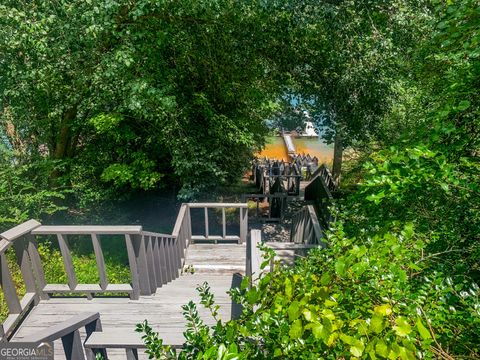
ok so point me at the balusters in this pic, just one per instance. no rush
(133, 267)
(7, 284)
(67, 261)
(97, 248)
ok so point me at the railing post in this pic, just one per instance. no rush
(243, 224)
(142, 266)
(37, 266)
(23, 261)
(97, 249)
(150, 263)
(8, 286)
(67, 261)
(133, 267)
(72, 344)
(94, 326)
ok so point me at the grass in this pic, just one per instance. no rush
(84, 263)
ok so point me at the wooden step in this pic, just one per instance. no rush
(121, 339)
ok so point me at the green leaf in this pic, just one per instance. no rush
(376, 323)
(288, 288)
(296, 330)
(422, 330)
(340, 267)
(463, 105)
(402, 328)
(383, 309)
(294, 311)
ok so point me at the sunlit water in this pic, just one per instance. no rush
(276, 149)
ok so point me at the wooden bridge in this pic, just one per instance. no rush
(88, 319)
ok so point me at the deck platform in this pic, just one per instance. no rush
(163, 311)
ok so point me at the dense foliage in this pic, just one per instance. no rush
(102, 97)
(400, 275)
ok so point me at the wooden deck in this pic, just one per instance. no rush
(162, 309)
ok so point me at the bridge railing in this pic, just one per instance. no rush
(69, 333)
(277, 204)
(154, 259)
(319, 192)
(305, 228)
(207, 236)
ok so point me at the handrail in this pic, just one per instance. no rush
(69, 332)
(305, 227)
(87, 229)
(243, 222)
(64, 328)
(20, 230)
(154, 259)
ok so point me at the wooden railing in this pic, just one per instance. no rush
(318, 192)
(243, 222)
(154, 259)
(277, 204)
(267, 172)
(305, 228)
(69, 332)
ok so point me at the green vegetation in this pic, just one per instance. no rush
(102, 99)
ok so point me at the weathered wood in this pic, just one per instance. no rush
(132, 354)
(87, 230)
(20, 230)
(23, 261)
(94, 326)
(142, 266)
(243, 225)
(206, 222)
(290, 246)
(102, 273)
(133, 267)
(129, 340)
(158, 261)
(87, 289)
(64, 328)
(150, 263)
(67, 261)
(224, 224)
(8, 287)
(72, 345)
(163, 260)
(216, 238)
(36, 265)
(217, 205)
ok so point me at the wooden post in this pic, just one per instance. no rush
(243, 225)
(150, 264)
(158, 261)
(97, 248)
(37, 266)
(67, 261)
(8, 286)
(72, 344)
(206, 224)
(25, 265)
(94, 326)
(142, 266)
(133, 267)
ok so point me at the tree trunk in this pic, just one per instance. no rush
(337, 158)
(64, 136)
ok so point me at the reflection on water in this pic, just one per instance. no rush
(314, 147)
(276, 149)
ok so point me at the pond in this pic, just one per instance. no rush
(276, 149)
